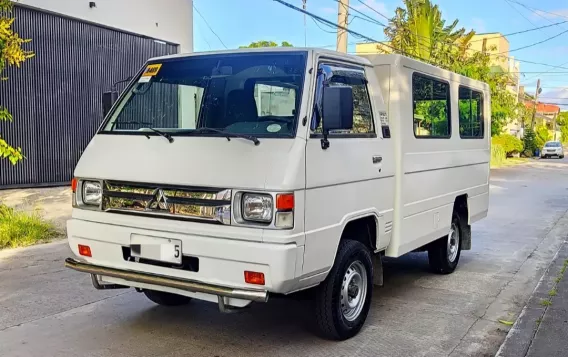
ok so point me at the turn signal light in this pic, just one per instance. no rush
(85, 250)
(285, 201)
(74, 185)
(252, 277)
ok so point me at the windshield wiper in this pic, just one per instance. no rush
(161, 133)
(227, 134)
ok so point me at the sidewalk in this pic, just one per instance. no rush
(52, 203)
(542, 327)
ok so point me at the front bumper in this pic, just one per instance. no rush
(222, 261)
(176, 283)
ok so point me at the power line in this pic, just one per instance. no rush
(520, 13)
(520, 32)
(206, 23)
(537, 43)
(322, 20)
(370, 39)
(373, 9)
(541, 73)
(324, 30)
(536, 11)
(370, 19)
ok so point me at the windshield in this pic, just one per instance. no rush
(552, 145)
(255, 93)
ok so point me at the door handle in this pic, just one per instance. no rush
(377, 159)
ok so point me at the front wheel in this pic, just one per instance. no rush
(343, 299)
(444, 254)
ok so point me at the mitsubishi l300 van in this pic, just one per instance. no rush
(234, 176)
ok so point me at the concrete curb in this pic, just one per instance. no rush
(523, 332)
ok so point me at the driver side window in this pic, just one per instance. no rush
(362, 112)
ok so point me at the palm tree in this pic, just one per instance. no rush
(419, 31)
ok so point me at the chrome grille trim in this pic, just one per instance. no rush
(192, 203)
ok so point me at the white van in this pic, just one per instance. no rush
(232, 176)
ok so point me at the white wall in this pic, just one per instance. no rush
(168, 20)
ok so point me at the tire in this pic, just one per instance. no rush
(166, 299)
(561, 156)
(354, 266)
(444, 253)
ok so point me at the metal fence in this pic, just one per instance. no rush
(56, 97)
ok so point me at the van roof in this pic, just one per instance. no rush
(314, 50)
(364, 60)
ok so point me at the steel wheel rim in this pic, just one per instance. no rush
(453, 243)
(353, 291)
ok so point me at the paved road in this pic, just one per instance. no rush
(46, 310)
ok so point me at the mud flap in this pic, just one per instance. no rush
(377, 270)
(466, 235)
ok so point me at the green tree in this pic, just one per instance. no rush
(542, 135)
(529, 142)
(419, 31)
(562, 122)
(11, 54)
(259, 44)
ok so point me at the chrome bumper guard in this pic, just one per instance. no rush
(176, 283)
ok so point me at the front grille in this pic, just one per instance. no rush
(204, 204)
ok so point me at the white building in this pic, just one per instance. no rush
(83, 49)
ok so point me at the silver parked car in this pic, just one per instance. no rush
(552, 148)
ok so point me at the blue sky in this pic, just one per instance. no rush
(239, 22)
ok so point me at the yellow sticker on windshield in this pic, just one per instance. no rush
(152, 70)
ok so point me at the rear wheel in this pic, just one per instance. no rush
(166, 299)
(444, 254)
(343, 299)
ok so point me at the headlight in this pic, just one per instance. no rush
(257, 207)
(92, 193)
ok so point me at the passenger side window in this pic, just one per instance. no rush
(471, 113)
(362, 112)
(431, 101)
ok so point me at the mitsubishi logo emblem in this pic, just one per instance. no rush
(159, 201)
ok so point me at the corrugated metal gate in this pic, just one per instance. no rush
(56, 97)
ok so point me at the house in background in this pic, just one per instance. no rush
(83, 48)
(546, 114)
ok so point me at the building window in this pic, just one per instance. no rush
(362, 112)
(471, 113)
(431, 100)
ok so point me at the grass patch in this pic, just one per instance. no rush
(552, 292)
(20, 229)
(512, 161)
(545, 302)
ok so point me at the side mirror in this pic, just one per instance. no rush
(108, 100)
(337, 108)
(337, 111)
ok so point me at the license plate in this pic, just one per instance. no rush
(153, 248)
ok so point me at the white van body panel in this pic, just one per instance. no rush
(409, 192)
(431, 173)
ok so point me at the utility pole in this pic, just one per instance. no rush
(342, 15)
(554, 123)
(537, 92)
(305, 28)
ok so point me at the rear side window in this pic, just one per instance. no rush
(471, 113)
(431, 101)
